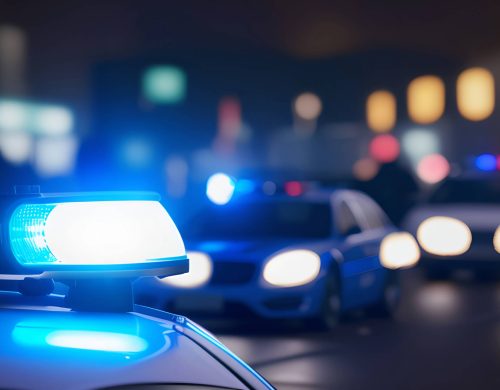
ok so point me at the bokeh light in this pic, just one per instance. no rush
(16, 147)
(53, 120)
(384, 148)
(200, 271)
(486, 162)
(496, 239)
(137, 152)
(476, 94)
(426, 99)
(164, 84)
(269, 188)
(418, 143)
(399, 250)
(220, 188)
(13, 115)
(308, 106)
(444, 236)
(433, 168)
(55, 156)
(294, 188)
(365, 169)
(381, 111)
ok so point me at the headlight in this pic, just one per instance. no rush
(399, 250)
(292, 268)
(200, 270)
(496, 240)
(444, 236)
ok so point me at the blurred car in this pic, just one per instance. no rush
(458, 225)
(313, 256)
(95, 337)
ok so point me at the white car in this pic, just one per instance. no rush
(459, 224)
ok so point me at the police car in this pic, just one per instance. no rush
(458, 225)
(95, 337)
(312, 255)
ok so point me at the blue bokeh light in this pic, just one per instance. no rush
(486, 162)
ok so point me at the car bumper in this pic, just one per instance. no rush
(234, 301)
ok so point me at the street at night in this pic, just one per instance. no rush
(228, 195)
(446, 335)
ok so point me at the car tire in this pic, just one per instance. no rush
(332, 304)
(389, 302)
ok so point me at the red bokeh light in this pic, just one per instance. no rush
(384, 148)
(433, 168)
(293, 188)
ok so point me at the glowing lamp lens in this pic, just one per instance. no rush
(93, 233)
(292, 268)
(444, 236)
(496, 239)
(200, 270)
(220, 188)
(399, 250)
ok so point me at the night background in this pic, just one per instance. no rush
(392, 98)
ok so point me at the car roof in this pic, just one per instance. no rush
(320, 195)
(66, 349)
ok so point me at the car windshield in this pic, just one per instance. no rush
(266, 219)
(468, 191)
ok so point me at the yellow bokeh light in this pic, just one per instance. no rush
(426, 99)
(381, 111)
(476, 94)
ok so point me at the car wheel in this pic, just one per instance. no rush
(389, 301)
(332, 303)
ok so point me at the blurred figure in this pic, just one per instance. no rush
(394, 188)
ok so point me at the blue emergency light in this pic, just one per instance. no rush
(96, 243)
(115, 232)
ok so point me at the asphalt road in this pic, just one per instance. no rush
(446, 335)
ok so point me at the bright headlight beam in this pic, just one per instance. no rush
(292, 268)
(444, 236)
(496, 239)
(220, 188)
(399, 250)
(200, 271)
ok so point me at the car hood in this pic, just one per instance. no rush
(255, 250)
(477, 217)
(60, 349)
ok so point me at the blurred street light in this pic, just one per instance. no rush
(308, 106)
(164, 84)
(476, 94)
(426, 99)
(381, 111)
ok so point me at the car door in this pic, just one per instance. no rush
(361, 226)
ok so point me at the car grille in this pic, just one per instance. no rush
(232, 273)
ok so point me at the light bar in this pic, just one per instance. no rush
(99, 234)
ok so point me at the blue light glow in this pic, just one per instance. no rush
(119, 336)
(220, 188)
(245, 186)
(96, 341)
(93, 233)
(486, 162)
